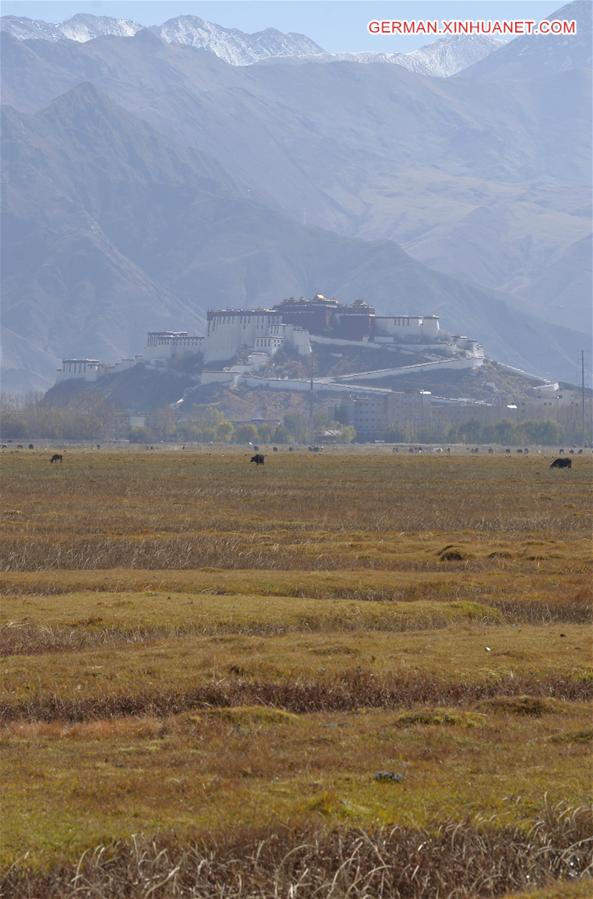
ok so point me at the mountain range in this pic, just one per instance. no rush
(443, 57)
(145, 182)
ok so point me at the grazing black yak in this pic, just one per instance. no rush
(561, 463)
(258, 459)
(56, 458)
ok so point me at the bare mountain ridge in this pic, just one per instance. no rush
(424, 162)
(532, 56)
(229, 44)
(442, 58)
(475, 178)
(120, 231)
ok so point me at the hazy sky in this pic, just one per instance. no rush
(334, 24)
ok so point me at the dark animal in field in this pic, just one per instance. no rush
(255, 448)
(389, 777)
(31, 446)
(19, 446)
(519, 450)
(507, 450)
(258, 459)
(4, 446)
(56, 458)
(561, 463)
(490, 450)
(274, 449)
(571, 451)
(290, 449)
(560, 451)
(526, 451)
(580, 452)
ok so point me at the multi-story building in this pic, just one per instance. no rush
(91, 369)
(374, 415)
(163, 345)
(326, 317)
(419, 328)
(233, 330)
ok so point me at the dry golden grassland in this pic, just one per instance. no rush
(206, 663)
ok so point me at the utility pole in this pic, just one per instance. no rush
(311, 398)
(583, 396)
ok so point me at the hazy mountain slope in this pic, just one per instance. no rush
(442, 58)
(482, 179)
(527, 235)
(286, 119)
(562, 286)
(110, 231)
(68, 284)
(532, 56)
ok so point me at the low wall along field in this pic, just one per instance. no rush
(357, 674)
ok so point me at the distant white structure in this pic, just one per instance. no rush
(164, 345)
(83, 369)
(256, 335)
(261, 330)
(91, 369)
(400, 327)
(470, 347)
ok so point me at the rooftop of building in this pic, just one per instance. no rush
(306, 301)
(168, 333)
(319, 299)
(259, 310)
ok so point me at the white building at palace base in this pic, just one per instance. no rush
(262, 330)
(164, 345)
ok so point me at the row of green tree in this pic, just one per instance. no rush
(94, 418)
(91, 418)
(210, 425)
(540, 433)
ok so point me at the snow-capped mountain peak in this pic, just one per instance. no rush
(442, 58)
(24, 29)
(234, 46)
(450, 55)
(84, 28)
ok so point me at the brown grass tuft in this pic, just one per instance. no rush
(535, 706)
(454, 859)
(350, 690)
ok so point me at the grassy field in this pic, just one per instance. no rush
(356, 674)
